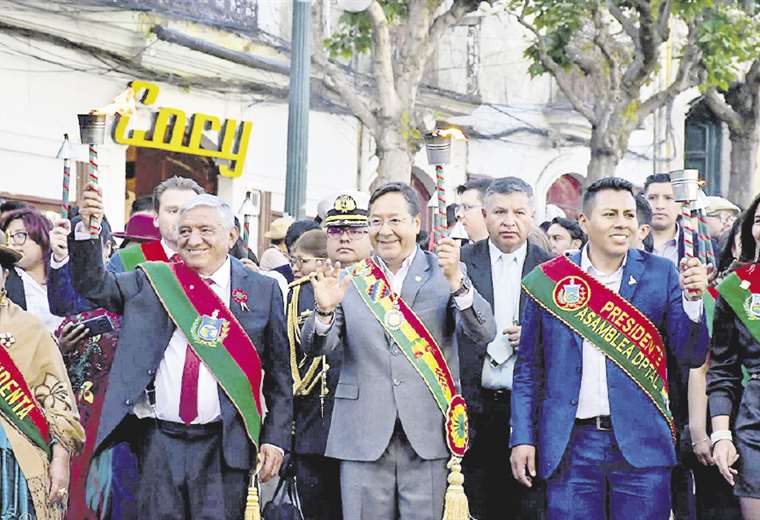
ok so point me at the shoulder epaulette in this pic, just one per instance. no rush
(300, 281)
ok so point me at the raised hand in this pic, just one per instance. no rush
(693, 278)
(329, 289)
(59, 239)
(448, 260)
(92, 204)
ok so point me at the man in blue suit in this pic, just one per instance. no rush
(578, 420)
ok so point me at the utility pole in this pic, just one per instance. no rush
(298, 109)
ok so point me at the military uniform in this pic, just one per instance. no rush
(314, 382)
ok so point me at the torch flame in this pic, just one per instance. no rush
(124, 104)
(456, 133)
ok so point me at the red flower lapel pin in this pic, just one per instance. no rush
(240, 296)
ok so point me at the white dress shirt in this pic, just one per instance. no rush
(593, 398)
(506, 276)
(168, 380)
(397, 282)
(37, 301)
(669, 248)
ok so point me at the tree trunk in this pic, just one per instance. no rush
(744, 183)
(602, 164)
(395, 160)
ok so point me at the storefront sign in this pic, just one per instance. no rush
(169, 127)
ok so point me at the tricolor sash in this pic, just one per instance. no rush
(17, 404)
(741, 290)
(215, 336)
(606, 319)
(419, 348)
(135, 255)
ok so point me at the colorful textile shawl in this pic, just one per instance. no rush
(19, 406)
(215, 335)
(606, 319)
(135, 255)
(419, 347)
(741, 290)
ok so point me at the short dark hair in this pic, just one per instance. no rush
(604, 184)
(481, 185)
(749, 244)
(142, 204)
(298, 228)
(643, 210)
(174, 183)
(656, 178)
(507, 185)
(411, 197)
(572, 227)
(313, 242)
(12, 205)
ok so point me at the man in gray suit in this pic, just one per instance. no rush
(387, 429)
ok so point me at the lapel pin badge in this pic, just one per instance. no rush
(240, 296)
(418, 278)
(631, 280)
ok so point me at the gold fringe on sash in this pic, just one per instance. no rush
(455, 504)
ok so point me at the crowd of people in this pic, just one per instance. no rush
(582, 367)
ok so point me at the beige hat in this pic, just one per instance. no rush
(278, 228)
(716, 204)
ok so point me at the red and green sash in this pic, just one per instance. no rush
(18, 406)
(708, 299)
(606, 319)
(214, 334)
(135, 255)
(741, 290)
(419, 347)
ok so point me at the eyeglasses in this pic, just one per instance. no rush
(300, 260)
(393, 223)
(19, 238)
(352, 232)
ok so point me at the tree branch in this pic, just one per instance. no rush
(382, 60)
(723, 110)
(625, 22)
(686, 76)
(337, 79)
(646, 48)
(560, 76)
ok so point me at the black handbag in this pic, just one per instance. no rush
(285, 504)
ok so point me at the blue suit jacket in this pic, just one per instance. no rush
(547, 375)
(147, 329)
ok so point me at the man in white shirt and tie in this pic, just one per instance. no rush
(496, 266)
(194, 446)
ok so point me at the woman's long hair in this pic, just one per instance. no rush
(38, 227)
(749, 244)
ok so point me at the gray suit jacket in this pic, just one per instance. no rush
(145, 333)
(377, 383)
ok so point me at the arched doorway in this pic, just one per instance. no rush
(566, 193)
(703, 142)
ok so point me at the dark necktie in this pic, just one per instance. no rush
(188, 397)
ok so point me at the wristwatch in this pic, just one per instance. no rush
(464, 288)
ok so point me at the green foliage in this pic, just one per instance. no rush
(354, 32)
(557, 21)
(727, 37)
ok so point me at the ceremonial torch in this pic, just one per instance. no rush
(686, 191)
(438, 147)
(706, 253)
(92, 132)
(249, 209)
(65, 153)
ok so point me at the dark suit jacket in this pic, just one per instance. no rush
(549, 365)
(14, 286)
(146, 331)
(311, 425)
(477, 258)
